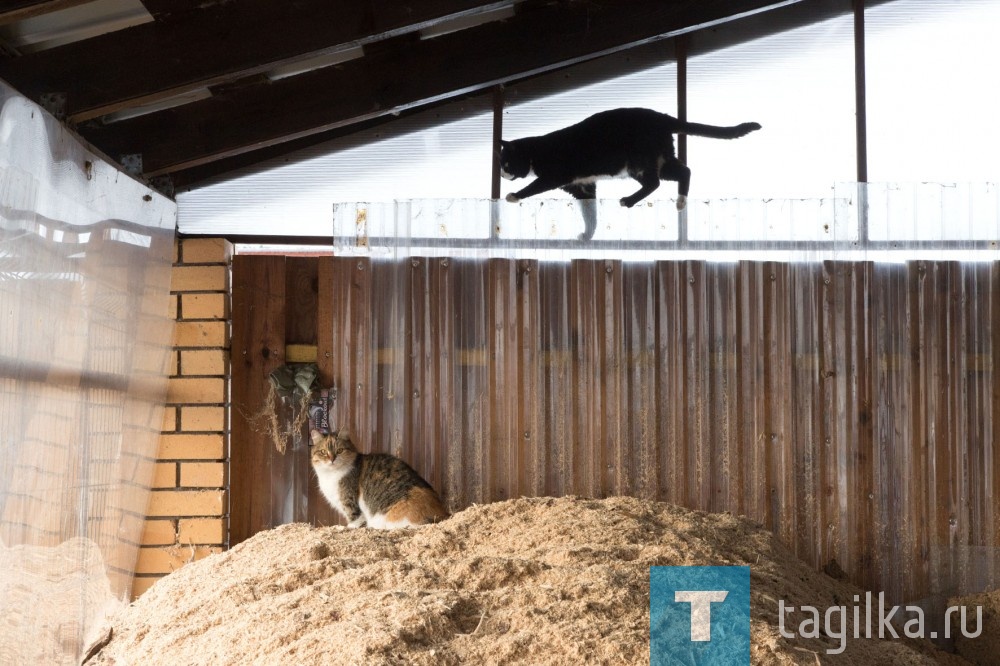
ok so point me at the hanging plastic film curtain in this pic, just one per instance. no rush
(85, 257)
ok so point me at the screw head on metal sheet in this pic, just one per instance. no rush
(414, 262)
(361, 266)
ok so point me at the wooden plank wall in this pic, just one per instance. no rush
(847, 406)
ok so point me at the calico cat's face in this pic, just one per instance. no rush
(332, 449)
(513, 162)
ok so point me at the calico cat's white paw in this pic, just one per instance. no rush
(681, 202)
(512, 198)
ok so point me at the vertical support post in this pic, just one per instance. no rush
(495, 183)
(497, 134)
(681, 51)
(861, 119)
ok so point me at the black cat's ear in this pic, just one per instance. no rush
(504, 144)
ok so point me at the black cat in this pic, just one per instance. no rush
(619, 143)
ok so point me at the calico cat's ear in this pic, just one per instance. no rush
(343, 435)
(316, 436)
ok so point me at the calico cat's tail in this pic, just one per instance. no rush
(715, 132)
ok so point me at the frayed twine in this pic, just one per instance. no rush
(266, 420)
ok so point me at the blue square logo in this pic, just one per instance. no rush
(699, 615)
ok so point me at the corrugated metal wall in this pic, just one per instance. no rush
(848, 406)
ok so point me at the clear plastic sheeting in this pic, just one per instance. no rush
(911, 88)
(934, 212)
(85, 255)
(874, 221)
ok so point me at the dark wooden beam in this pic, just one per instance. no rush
(18, 10)
(546, 38)
(222, 42)
(167, 10)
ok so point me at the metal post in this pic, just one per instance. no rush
(861, 119)
(681, 50)
(495, 184)
(497, 135)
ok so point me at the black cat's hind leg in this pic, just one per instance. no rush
(586, 194)
(649, 181)
(674, 169)
(537, 186)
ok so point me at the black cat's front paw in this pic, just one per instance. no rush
(627, 202)
(513, 198)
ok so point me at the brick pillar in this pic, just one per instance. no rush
(187, 514)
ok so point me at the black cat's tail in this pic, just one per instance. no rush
(715, 132)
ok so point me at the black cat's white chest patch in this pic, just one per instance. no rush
(590, 180)
(506, 175)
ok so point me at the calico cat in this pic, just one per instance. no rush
(636, 143)
(376, 489)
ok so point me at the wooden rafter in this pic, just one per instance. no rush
(221, 43)
(18, 10)
(414, 73)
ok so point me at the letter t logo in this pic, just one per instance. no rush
(701, 610)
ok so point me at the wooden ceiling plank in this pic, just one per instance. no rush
(18, 10)
(220, 43)
(421, 73)
(165, 10)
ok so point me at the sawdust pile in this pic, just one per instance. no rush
(985, 648)
(532, 581)
(54, 601)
